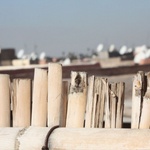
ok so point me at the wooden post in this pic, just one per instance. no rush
(103, 98)
(95, 102)
(21, 102)
(107, 108)
(89, 106)
(137, 98)
(145, 116)
(54, 93)
(77, 100)
(113, 104)
(40, 90)
(64, 103)
(120, 104)
(4, 101)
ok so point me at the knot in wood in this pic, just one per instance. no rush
(78, 85)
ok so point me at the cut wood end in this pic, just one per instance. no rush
(78, 82)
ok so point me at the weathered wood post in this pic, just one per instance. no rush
(95, 102)
(137, 98)
(115, 105)
(21, 102)
(4, 101)
(64, 104)
(145, 110)
(120, 104)
(54, 93)
(40, 98)
(77, 100)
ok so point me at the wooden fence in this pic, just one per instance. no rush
(38, 102)
(91, 69)
(83, 102)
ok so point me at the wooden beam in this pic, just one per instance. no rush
(32, 138)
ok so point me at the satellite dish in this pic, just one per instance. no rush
(112, 48)
(147, 54)
(139, 49)
(20, 54)
(33, 56)
(42, 55)
(67, 61)
(123, 50)
(100, 48)
(140, 56)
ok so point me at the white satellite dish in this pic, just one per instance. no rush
(139, 49)
(100, 47)
(67, 61)
(147, 54)
(33, 56)
(112, 48)
(20, 54)
(140, 56)
(123, 50)
(42, 55)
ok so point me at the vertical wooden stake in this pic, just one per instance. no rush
(22, 102)
(145, 116)
(97, 91)
(137, 98)
(40, 90)
(113, 104)
(77, 100)
(107, 108)
(4, 101)
(95, 102)
(89, 106)
(64, 103)
(102, 96)
(54, 93)
(120, 104)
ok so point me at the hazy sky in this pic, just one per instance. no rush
(57, 26)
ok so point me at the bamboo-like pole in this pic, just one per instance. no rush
(21, 102)
(33, 138)
(113, 104)
(95, 102)
(137, 98)
(89, 106)
(4, 101)
(54, 93)
(39, 105)
(107, 108)
(120, 104)
(77, 100)
(103, 97)
(145, 116)
(64, 103)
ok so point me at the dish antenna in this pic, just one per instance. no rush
(42, 55)
(20, 54)
(100, 47)
(123, 50)
(33, 56)
(112, 48)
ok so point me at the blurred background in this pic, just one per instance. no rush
(59, 29)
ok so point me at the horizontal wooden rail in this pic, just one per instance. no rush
(91, 69)
(33, 138)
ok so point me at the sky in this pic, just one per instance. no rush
(61, 26)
